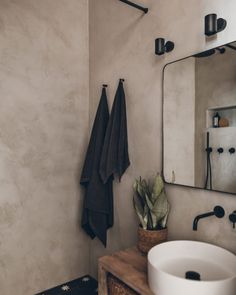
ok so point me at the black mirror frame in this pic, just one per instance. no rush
(162, 128)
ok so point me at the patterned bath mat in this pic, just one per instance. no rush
(82, 286)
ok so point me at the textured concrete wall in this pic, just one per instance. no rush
(44, 126)
(43, 132)
(122, 45)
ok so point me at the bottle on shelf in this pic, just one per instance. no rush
(216, 120)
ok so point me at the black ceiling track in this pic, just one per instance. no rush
(144, 9)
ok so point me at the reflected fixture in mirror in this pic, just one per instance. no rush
(161, 46)
(221, 50)
(232, 151)
(232, 218)
(199, 120)
(214, 25)
(132, 4)
(220, 150)
(210, 52)
(208, 159)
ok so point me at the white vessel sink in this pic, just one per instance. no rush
(169, 262)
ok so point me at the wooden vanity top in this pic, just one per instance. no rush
(129, 266)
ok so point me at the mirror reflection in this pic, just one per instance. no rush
(199, 120)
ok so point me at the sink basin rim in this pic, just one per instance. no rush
(183, 279)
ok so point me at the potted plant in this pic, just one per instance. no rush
(152, 208)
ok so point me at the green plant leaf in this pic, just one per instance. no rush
(140, 213)
(140, 187)
(139, 204)
(148, 202)
(163, 222)
(150, 221)
(160, 208)
(158, 185)
(161, 204)
(151, 216)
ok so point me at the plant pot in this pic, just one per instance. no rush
(150, 238)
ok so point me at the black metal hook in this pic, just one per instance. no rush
(144, 9)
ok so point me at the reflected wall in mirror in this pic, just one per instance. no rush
(199, 120)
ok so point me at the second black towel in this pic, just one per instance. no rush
(115, 155)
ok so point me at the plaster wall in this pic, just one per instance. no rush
(122, 46)
(44, 105)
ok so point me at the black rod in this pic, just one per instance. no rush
(144, 9)
(231, 46)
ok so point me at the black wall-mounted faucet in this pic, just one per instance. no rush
(218, 211)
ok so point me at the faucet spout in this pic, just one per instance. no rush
(218, 211)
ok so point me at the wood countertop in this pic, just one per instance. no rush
(129, 266)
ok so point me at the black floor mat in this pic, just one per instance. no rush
(82, 286)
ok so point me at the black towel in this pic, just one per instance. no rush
(115, 156)
(97, 214)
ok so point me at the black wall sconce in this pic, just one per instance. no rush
(214, 25)
(144, 9)
(162, 47)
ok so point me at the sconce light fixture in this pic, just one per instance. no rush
(214, 25)
(162, 47)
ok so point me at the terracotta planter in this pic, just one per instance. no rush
(150, 238)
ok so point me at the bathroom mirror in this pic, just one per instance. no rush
(199, 120)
